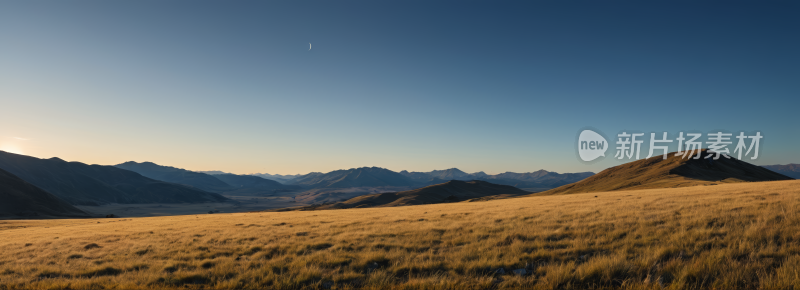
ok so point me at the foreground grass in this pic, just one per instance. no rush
(729, 236)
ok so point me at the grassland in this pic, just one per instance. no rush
(728, 236)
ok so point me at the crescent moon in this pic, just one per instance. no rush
(309, 46)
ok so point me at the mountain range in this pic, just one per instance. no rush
(218, 183)
(675, 171)
(32, 186)
(176, 175)
(538, 179)
(81, 184)
(365, 177)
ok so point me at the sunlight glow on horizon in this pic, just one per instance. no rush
(11, 148)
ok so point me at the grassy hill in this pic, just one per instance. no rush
(675, 171)
(22, 199)
(728, 236)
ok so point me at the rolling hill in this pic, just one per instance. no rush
(22, 199)
(451, 191)
(176, 175)
(675, 171)
(790, 170)
(81, 184)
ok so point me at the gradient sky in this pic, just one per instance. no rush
(414, 85)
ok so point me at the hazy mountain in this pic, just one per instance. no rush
(247, 181)
(274, 177)
(451, 191)
(450, 174)
(81, 184)
(225, 183)
(212, 172)
(248, 184)
(304, 177)
(674, 171)
(277, 177)
(538, 179)
(355, 177)
(791, 170)
(176, 175)
(422, 177)
(19, 198)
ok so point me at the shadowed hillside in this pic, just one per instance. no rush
(248, 184)
(81, 184)
(22, 199)
(451, 191)
(176, 175)
(675, 171)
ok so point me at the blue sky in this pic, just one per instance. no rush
(414, 85)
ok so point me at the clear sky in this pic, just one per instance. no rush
(488, 86)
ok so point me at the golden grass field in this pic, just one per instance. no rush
(728, 236)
